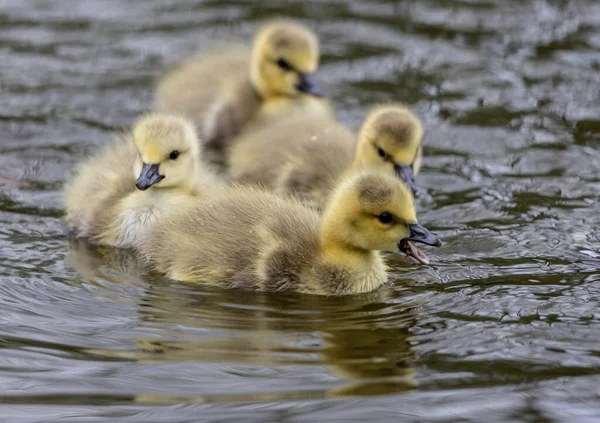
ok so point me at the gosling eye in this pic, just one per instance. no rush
(284, 65)
(386, 218)
(382, 153)
(174, 154)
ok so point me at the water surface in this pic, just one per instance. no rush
(504, 326)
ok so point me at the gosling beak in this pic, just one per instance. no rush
(148, 177)
(420, 234)
(309, 85)
(406, 174)
(417, 234)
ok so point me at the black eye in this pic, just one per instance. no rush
(174, 154)
(382, 153)
(386, 218)
(283, 64)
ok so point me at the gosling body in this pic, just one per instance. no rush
(302, 155)
(253, 239)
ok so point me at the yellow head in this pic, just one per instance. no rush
(390, 137)
(168, 152)
(285, 57)
(373, 210)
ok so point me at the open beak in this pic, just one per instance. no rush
(148, 177)
(309, 85)
(406, 174)
(418, 234)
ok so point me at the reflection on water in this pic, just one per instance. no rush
(502, 327)
(363, 340)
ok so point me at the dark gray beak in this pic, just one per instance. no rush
(406, 174)
(420, 234)
(309, 85)
(148, 177)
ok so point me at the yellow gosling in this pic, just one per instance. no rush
(222, 92)
(307, 153)
(115, 196)
(247, 238)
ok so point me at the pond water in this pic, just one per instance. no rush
(504, 326)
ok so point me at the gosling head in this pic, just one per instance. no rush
(285, 56)
(373, 210)
(391, 137)
(168, 152)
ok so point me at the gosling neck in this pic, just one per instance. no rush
(365, 267)
(258, 83)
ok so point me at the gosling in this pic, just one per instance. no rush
(115, 196)
(307, 153)
(224, 91)
(252, 239)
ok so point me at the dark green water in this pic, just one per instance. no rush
(503, 327)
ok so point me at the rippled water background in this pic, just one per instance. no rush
(504, 327)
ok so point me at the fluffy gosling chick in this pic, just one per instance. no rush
(118, 194)
(306, 154)
(224, 91)
(247, 238)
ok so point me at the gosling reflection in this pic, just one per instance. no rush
(94, 263)
(364, 340)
